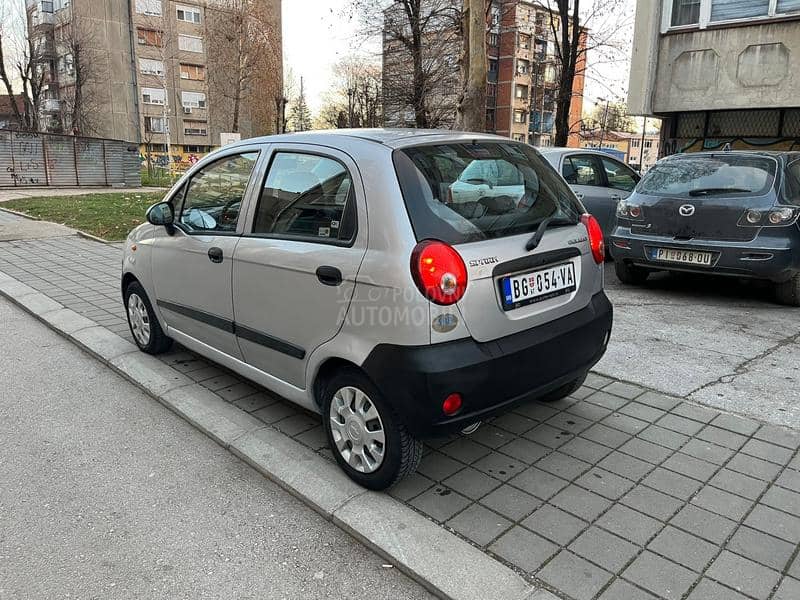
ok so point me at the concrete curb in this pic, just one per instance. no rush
(93, 238)
(438, 560)
(19, 214)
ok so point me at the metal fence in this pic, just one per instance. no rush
(45, 159)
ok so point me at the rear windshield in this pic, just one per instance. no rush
(730, 175)
(468, 192)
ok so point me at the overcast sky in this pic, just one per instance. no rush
(317, 33)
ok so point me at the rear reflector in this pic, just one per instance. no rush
(451, 404)
(595, 238)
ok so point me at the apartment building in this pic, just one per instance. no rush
(720, 73)
(639, 151)
(151, 72)
(522, 82)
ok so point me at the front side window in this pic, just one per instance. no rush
(619, 176)
(710, 175)
(460, 193)
(307, 196)
(581, 170)
(215, 194)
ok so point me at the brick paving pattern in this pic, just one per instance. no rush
(616, 493)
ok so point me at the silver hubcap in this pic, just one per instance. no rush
(357, 430)
(139, 319)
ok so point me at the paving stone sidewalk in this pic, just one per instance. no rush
(616, 493)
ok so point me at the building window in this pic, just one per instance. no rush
(195, 149)
(193, 100)
(520, 116)
(149, 37)
(492, 65)
(190, 43)
(47, 7)
(494, 39)
(154, 96)
(194, 128)
(524, 41)
(521, 92)
(157, 148)
(702, 12)
(149, 7)
(648, 144)
(156, 125)
(188, 14)
(523, 67)
(491, 90)
(66, 65)
(635, 143)
(193, 72)
(685, 12)
(519, 137)
(151, 67)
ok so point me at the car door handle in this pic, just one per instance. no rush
(329, 275)
(215, 254)
(579, 196)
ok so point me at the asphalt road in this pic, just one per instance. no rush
(719, 341)
(106, 494)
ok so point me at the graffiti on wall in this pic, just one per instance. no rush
(679, 145)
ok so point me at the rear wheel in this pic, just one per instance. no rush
(145, 329)
(367, 439)
(788, 292)
(564, 390)
(630, 274)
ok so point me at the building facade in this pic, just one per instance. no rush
(150, 70)
(631, 148)
(720, 73)
(522, 82)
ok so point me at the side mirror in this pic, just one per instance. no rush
(160, 214)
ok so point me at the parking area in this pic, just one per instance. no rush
(718, 341)
(625, 490)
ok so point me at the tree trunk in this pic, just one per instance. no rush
(472, 111)
(570, 34)
(419, 104)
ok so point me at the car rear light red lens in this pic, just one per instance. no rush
(451, 404)
(595, 238)
(439, 272)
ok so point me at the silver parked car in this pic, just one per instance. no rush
(599, 180)
(334, 269)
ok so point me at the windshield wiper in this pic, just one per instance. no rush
(537, 236)
(710, 191)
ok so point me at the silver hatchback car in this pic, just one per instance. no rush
(339, 270)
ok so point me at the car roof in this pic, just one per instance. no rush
(393, 138)
(559, 150)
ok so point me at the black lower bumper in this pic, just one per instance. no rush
(758, 259)
(491, 377)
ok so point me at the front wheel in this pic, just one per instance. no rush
(367, 439)
(788, 292)
(145, 329)
(630, 274)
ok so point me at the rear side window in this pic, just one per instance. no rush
(469, 192)
(718, 175)
(306, 196)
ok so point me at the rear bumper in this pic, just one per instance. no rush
(771, 258)
(491, 377)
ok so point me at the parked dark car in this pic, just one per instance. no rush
(722, 213)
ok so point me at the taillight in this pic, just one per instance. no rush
(439, 272)
(595, 238)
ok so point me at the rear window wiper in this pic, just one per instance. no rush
(712, 191)
(537, 236)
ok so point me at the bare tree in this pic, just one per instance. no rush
(424, 34)
(77, 48)
(244, 53)
(355, 97)
(21, 60)
(471, 114)
(578, 28)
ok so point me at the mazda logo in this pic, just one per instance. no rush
(687, 210)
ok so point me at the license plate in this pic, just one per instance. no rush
(537, 286)
(689, 257)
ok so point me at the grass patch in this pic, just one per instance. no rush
(109, 216)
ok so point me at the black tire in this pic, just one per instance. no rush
(157, 342)
(401, 451)
(630, 274)
(564, 390)
(788, 292)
